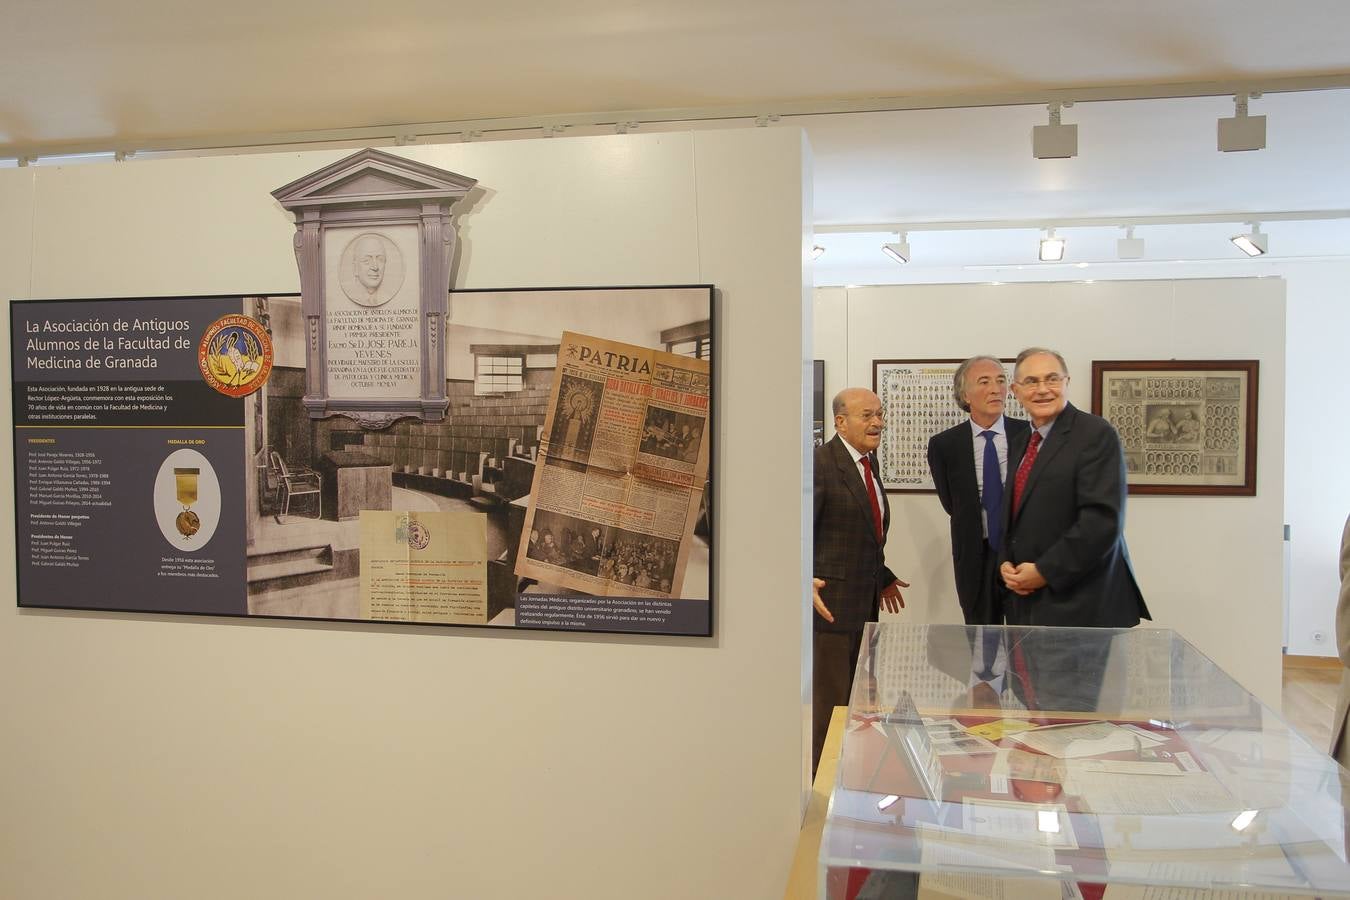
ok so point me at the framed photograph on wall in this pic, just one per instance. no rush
(916, 395)
(1187, 426)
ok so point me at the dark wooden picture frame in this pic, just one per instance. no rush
(1188, 427)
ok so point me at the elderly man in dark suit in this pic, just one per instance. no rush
(969, 463)
(1064, 558)
(851, 578)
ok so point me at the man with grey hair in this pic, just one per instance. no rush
(1064, 558)
(849, 561)
(969, 463)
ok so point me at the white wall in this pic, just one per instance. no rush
(1317, 448)
(1317, 484)
(169, 757)
(1210, 567)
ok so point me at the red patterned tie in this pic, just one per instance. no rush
(872, 495)
(1024, 470)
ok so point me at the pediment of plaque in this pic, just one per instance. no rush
(372, 176)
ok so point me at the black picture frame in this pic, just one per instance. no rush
(116, 558)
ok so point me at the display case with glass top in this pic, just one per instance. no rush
(1061, 763)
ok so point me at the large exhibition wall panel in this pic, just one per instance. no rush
(1210, 567)
(163, 756)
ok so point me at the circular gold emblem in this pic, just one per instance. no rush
(235, 355)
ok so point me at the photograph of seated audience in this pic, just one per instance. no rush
(480, 459)
(610, 552)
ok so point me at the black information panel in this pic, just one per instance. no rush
(127, 464)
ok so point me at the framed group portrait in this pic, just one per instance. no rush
(918, 399)
(1186, 426)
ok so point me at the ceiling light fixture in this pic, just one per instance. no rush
(1242, 132)
(1130, 247)
(1054, 140)
(898, 251)
(1052, 248)
(817, 251)
(1252, 243)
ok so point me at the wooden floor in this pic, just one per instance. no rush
(1310, 685)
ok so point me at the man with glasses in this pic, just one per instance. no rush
(969, 463)
(851, 579)
(1064, 559)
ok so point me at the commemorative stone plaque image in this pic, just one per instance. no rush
(375, 245)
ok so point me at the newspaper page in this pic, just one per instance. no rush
(622, 465)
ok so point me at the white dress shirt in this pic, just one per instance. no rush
(1001, 446)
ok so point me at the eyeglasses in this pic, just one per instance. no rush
(1054, 382)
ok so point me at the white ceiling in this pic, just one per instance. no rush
(1136, 159)
(159, 73)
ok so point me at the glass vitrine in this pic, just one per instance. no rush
(1061, 763)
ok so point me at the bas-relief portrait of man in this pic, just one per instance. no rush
(371, 269)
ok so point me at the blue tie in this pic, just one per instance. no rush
(991, 498)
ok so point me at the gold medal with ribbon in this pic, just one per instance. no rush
(186, 482)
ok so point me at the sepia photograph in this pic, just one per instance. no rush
(1187, 427)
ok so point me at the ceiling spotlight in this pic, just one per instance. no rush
(898, 251)
(1130, 247)
(1055, 141)
(1253, 243)
(817, 251)
(1242, 132)
(1052, 248)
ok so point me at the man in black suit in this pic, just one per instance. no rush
(969, 463)
(849, 565)
(1064, 558)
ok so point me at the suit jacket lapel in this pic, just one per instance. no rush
(1059, 436)
(881, 494)
(852, 476)
(964, 458)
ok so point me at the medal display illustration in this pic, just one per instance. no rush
(185, 480)
(187, 499)
(235, 355)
